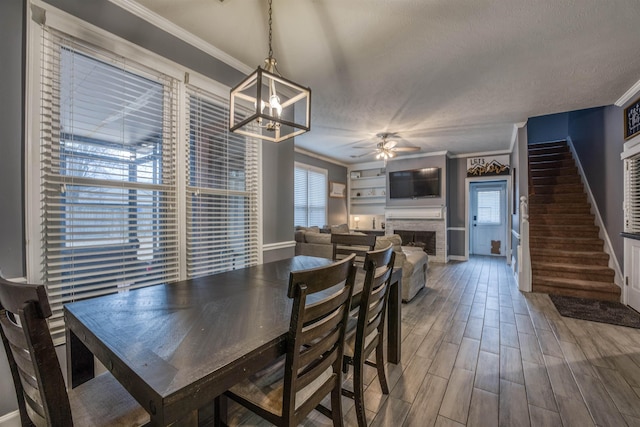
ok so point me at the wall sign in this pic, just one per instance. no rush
(632, 120)
(488, 165)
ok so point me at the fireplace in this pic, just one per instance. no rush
(424, 239)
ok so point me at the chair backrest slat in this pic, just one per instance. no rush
(315, 342)
(347, 244)
(37, 378)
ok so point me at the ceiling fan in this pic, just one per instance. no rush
(386, 148)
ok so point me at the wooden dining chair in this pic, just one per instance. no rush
(365, 333)
(285, 392)
(40, 390)
(347, 244)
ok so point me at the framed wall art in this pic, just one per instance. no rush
(337, 189)
(632, 120)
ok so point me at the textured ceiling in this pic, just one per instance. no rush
(453, 75)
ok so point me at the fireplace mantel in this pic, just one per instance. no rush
(425, 212)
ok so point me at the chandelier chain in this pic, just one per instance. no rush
(270, 31)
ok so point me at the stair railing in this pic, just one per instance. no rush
(524, 257)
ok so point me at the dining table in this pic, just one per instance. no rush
(177, 346)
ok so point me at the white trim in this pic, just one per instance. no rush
(319, 156)
(424, 212)
(12, 419)
(179, 32)
(514, 138)
(480, 154)
(603, 234)
(515, 234)
(418, 155)
(455, 228)
(278, 245)
(456, 258)
(631, 147)
(628, 95)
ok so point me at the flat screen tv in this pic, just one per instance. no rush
(411, 184)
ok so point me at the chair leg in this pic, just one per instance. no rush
(336, 406)
(380, 367)
(358, 393)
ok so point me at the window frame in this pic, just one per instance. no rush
(325, 172)
(102, 39)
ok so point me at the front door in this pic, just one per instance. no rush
(488, 218)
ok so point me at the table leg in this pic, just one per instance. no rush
(80, 365)
(394, 321)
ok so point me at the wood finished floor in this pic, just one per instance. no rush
(477, 352)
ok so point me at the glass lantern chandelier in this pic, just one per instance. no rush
(265, 105)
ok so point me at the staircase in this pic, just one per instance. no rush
(567, 256)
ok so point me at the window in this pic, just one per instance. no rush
(310, 196)
(489, 209)
(112, 200)
(222, 190)
(632, 194)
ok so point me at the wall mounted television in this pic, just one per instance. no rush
(411, 184)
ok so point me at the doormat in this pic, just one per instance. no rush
(611, 312)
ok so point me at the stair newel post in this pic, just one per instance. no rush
(524, 257)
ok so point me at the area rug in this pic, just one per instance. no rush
(610, 312)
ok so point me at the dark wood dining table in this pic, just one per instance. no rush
(177, 346)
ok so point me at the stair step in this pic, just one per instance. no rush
(565, 256)
(551, 164)
(568, 231)
(564, 171)
(560, 198)
(559, 209)
(559, 179)
(538, 218)
(547, 157)
(605, 291)
(573, 271)
(568, 243)
(558, 188)
(548, 147)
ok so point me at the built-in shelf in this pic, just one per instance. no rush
(367, 189)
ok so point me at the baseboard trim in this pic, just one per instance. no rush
(457, 258)
(12, 419)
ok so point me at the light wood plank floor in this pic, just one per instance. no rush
(478, 352)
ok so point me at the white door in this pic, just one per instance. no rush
(488, 218)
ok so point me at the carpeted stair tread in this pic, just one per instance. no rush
(576, 284)
(548, 157)
(555, 171)
(578, 268)
(558, 188)
(558, 179)
(561, 218)
(561, 198)
(551, 164)
(564, 255)
(559, 208)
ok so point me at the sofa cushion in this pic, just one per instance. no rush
(312, 237)
(314, 228)
(394, 239)
(340, 229)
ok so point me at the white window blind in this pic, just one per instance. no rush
(222, 189)
(310, 196)
(489, 207)
(632, 195)
(108, 182)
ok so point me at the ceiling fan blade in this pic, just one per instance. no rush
(405, 149)
(390, 144)
(353, 156)
(368, 147)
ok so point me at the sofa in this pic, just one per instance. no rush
(413, 260)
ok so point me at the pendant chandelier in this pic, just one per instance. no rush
(265, 105)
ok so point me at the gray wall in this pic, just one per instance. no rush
(11, 143)
(597, 136)
(336, 208)
(12, 262)
(456, 203)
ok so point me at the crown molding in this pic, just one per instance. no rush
(480, 154)
(164, 24)
(628, 95)
(319, 156)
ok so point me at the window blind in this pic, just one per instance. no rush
(489, 207)
(632, 195)
(222, 189)
(310, 196)
(108, 181)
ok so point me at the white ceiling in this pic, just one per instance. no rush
(454, 75)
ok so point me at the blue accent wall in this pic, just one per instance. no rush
(552, 127)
